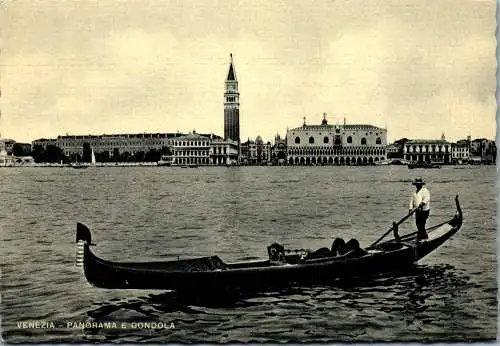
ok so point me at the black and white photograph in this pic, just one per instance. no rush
(248, 171)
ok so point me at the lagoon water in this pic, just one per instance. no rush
(159, 213)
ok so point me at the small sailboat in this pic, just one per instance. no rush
(92, 158)
(166, 160)
(77, 165)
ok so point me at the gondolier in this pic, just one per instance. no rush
(421, 201)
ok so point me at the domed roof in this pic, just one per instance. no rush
(258, 139)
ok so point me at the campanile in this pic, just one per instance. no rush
(231, 105)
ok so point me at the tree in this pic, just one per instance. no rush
(166, 151)
(86, 152)
(116, 155)
(75, 158)
(103, 157)
(17, 150)
(153, 155)
(54, 154)
(38, 153)
(125, 157)
(139, 156)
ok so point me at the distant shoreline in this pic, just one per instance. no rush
(154, 164)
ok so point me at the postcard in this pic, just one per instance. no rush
(248, 171)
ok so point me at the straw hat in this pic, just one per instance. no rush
(418, 181)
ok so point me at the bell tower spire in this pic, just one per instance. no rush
(231, 104)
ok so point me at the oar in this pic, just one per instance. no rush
(394, 225)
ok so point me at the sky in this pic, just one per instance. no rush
(417, 68)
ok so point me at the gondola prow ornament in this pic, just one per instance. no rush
(83, 236)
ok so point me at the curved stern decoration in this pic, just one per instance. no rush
(83, 237)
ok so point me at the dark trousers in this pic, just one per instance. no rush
(420, 219)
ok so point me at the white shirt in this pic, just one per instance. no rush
(423, 195)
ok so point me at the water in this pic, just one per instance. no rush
(151, 213)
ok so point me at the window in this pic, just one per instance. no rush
(337, 130)
(297, 140)
(325, 140)
(311, 140)
(349, 139)
(378, 140)
(363, 141)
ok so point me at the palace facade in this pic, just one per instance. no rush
(326, 144)
(425, 150)
(116, 144)
(196, 149)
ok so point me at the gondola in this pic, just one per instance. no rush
(280, 269)
(422, 164)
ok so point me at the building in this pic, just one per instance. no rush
(10, 145)
(460, 152)
(255, 152)
(25, 148)
(6, 160)
(278, 151)
(426, 150)
(396, 149)
(326, 144)
(192, 149)
(114, 145)
(7, 144)
(245, 151)
(204, 150)
(392, 151)
(483, 150)
(44, 143)
(231, 105)
(224, 152)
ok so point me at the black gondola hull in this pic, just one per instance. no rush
(210, 273)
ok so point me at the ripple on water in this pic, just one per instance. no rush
(142, 214)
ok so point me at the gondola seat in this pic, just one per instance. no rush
(320, 253)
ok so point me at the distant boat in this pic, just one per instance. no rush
(396, 162)
(421, 164)
(166, 160)
(77, 165)
(92, 161)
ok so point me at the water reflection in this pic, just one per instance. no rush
(402, 296)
